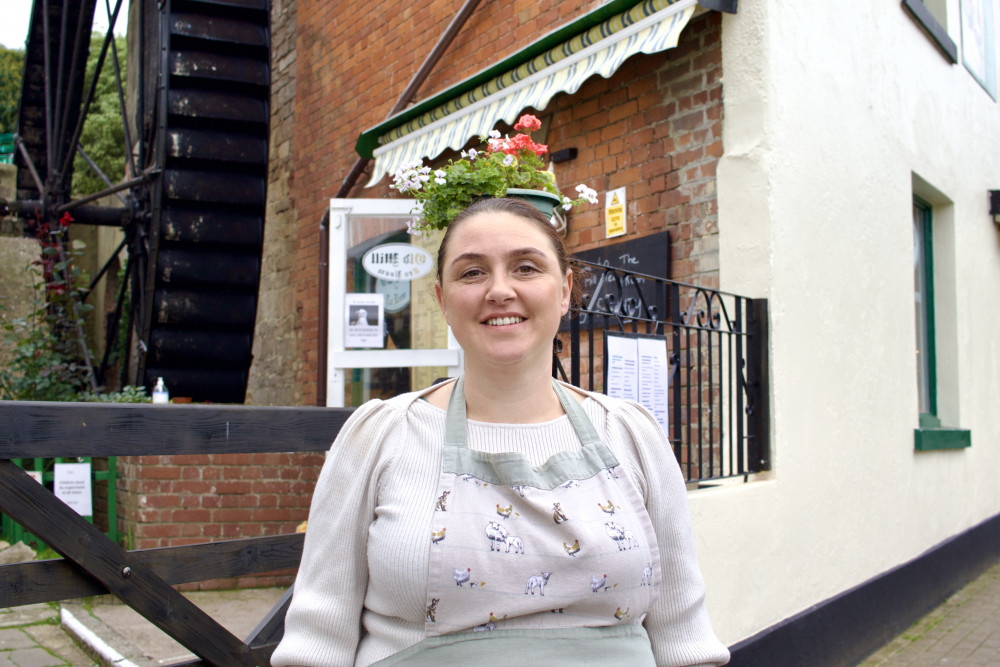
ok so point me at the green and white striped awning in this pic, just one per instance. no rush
(473, 107)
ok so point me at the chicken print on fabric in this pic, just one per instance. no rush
(557, 513)
(607, 508)
(489, 625)
(463, 576)
(572, 549)
(437, 536)
(597, 584)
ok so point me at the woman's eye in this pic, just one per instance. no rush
(470, 273)
(526, 268)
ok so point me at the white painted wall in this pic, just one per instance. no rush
(830, 109)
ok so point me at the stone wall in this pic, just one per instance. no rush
(274, 374)
(18, 297)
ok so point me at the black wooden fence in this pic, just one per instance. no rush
(144, 579)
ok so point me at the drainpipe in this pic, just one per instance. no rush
(430, 62)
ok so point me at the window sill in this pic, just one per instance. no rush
(933, 438)
(934, 30)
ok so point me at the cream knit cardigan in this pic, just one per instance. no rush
(360, 591)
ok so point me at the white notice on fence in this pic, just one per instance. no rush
(623, 358)
(654, 378)
(72, 486)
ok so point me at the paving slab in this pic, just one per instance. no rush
(140, 642)
(964, 630)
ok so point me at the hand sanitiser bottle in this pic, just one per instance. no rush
(160, 393)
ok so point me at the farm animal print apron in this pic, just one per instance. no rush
(546, 563)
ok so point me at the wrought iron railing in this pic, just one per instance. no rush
(717, 359)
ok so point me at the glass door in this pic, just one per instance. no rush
(386, 334)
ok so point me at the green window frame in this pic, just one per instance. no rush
(930, 434)
(923, 297)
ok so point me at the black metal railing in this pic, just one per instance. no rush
(716, 346)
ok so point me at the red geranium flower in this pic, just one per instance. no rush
(528, 123)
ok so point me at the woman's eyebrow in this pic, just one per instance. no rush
(513, 254)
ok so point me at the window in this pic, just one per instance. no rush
(923, 292)
(931, 15)
(931, 432)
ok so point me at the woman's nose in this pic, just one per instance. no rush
(500, 289)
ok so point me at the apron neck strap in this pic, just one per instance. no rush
(456, 419)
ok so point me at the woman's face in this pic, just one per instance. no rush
(502, 291)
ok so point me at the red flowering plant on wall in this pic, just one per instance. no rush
(504, 162)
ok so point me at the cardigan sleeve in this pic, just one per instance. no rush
(678, 624)
(323, 626)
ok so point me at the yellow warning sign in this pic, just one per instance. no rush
(614, 213)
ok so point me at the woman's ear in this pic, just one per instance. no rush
(440, 300)
(567, 291)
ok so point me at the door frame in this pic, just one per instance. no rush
(340, 360)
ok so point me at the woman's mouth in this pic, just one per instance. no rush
(501, 321)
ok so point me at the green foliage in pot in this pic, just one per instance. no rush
(505, 163)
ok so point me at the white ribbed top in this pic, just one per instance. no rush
(367, 544)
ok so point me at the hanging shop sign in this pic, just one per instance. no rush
(397, 261)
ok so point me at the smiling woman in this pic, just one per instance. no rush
(455, 520)
(503, 284)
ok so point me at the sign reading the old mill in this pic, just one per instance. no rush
(397, 261)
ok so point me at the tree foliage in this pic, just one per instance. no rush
(11, 68)
(103, 136)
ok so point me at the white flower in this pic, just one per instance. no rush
(567, 207)
(473, 153)
(464, 154)
(439, 177)
(587, 193)
(495, 134)
(440, 181)
(509, 160)
(414, 228)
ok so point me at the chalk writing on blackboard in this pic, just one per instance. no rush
(625, 297)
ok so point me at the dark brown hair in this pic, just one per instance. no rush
(523, 210)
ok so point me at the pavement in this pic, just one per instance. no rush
(964, 630)
(104, 631)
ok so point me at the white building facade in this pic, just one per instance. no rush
(861, 142)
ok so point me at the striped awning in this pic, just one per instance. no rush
(451, 118)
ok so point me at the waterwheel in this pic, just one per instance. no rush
(198, 112)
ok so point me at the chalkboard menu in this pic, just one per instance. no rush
(649, 255)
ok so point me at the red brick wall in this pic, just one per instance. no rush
(654, 127)
(353, 60)
(177, 500)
